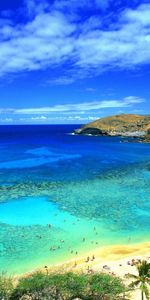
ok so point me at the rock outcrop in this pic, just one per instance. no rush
(146, 138)
(128, 125)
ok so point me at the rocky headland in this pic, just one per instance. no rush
(124, 125)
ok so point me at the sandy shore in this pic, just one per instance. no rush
(106, 254)
(115, 260)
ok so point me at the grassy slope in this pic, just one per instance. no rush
(123, 122)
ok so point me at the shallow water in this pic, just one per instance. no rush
(58, 189)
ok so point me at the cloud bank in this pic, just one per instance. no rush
(50, 37)
(77, 107)
(70, 113)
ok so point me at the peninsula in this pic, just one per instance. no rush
(125, 125)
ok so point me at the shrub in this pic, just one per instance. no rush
(50, 287)
(68, 286)
(31, 285)
(6, 287)
(105, 286)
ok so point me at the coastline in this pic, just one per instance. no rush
(116, 260)
(106, 255)
(123, 125)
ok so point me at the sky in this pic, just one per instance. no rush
(71, 61)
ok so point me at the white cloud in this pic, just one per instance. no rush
(78, 107)
(40, 43)
(81, 118)
(52, 38)
(50, 120)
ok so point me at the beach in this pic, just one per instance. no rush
(112, 255)
(118, 260)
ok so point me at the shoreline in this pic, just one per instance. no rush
(106, 255)
(116, 260)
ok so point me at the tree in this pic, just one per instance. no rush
(142, 280)
(104, 286)
(68, 286)
(40, 286)
(32, 285)
(75, 285)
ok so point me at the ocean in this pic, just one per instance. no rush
(62, 194)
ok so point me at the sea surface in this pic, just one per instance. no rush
(63, 194)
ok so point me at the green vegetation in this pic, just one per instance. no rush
(105, 286)
(74, 286)
(6, 287)
(142, 280)
(67, 286)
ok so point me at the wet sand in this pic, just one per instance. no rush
(107, 254)
(103, 255)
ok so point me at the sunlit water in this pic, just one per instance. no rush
(62, 195)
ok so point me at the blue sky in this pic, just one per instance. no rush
(69, 61)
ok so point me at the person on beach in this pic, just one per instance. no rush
(46, 269)
(75, 264)
(87, 260)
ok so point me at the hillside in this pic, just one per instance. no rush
(118, 125)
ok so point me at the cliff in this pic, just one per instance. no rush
(129, 125)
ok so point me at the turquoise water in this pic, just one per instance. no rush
(62, 195)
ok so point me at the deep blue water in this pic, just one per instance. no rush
(74, 183)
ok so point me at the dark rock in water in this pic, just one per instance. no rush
(91, 131)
